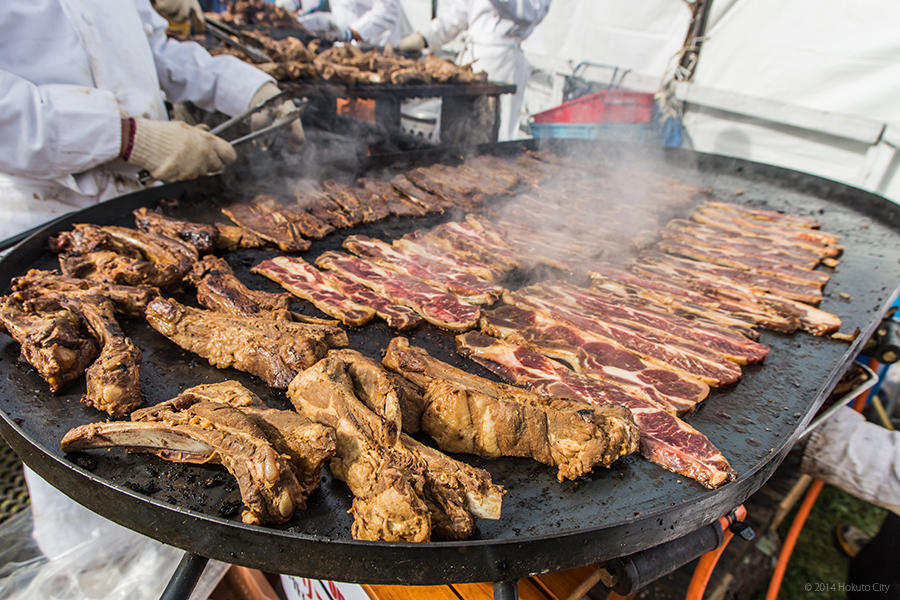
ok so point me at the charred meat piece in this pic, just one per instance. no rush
(308, 445)
(114, 379)
(54, 339)
(232, 237)
(108, 266)
(209, 433)
(466, 413)
(308, 224)
(270, 226)
(397, 203)
(402, 490)
(272, 349)
(342, 194)
(200, 235)
(219, 289)
(428, 201)
(128, 300)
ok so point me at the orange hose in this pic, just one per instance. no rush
(706, 564)
(704, 570)
(791, 540)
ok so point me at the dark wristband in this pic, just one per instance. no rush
(128, 129)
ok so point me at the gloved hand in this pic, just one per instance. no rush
(295, 135)
(178, 11)
(172, 150)
(414, 42)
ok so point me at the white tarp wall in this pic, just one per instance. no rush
(811, 85)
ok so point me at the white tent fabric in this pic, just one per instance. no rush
(836, 58)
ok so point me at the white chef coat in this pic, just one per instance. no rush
(377, 22)
(494, 31)
(69, 71)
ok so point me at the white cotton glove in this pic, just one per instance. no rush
(295, 135)
(414, 42)
(178, 11)
(174, 151)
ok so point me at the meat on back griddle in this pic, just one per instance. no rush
(273, 349)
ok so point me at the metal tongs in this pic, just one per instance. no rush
(234, 38)
(279, 123)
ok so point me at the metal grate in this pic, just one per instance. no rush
(13, 493)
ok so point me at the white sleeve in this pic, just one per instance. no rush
(50, 131)
(861, 458)
(523, 12)
(187, 72)
(383, 16)
(452, 19)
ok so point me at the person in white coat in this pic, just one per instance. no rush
(82, 90)
(376, 22)
(494, 32)
(82, 85)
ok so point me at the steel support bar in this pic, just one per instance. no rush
(506, 590)
(185, 577)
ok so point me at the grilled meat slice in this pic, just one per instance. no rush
(342, 195)
(54, 339)
(466, 413)
(430, 202)
(232, 237)
(396, 203)
(387, 502)
(308, 445)
(274, 350)
(270, 226)
(114, 379)
(665, 439)
(435, 306)
(158, 249)
(201, 236)
(305, 281)
(108, 266)
(459, 282)
(127, 299)
(208, 433)
(219, 289)
(308, 224)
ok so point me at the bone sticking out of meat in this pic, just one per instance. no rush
(219, 289)
(665, 440)
(201, 236)
(309, 445)
(53, 339)
(305, 281)
(210, 432)
(402, 490)
(128, 300)
(114, 379)
(441, 275)
(435, 306)
(595, 356)
(466, 413)
(275, 350)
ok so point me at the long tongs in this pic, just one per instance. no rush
(279, 123)
(234, 38)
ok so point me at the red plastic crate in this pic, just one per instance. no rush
(607, 106)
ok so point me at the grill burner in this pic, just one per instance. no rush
(546, 525)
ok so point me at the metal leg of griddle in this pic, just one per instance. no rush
(185, 577)
(506, 590)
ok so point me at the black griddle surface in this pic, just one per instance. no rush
(546, 525)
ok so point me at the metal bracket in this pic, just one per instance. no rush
(185, 577)
(506, 590)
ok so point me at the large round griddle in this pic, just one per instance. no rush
(546, 525)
